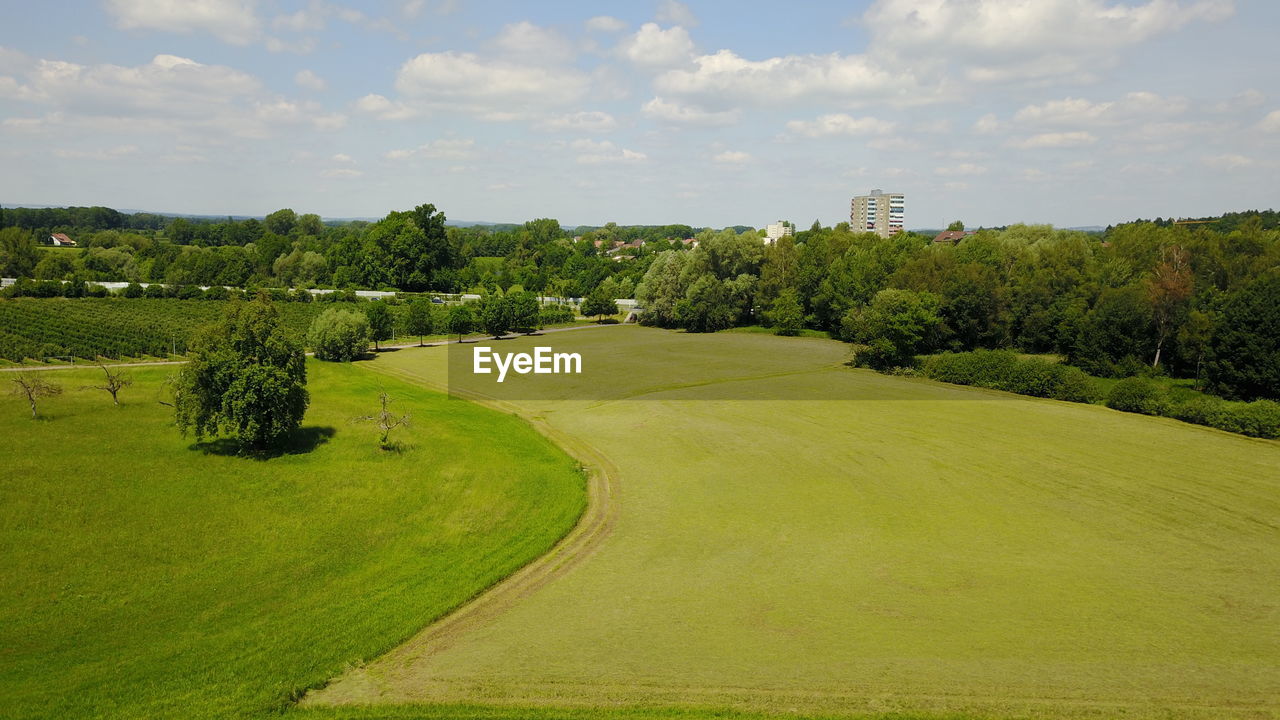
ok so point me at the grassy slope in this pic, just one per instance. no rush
(884, 543)
(141, 578)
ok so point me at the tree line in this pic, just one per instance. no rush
(1186, 300)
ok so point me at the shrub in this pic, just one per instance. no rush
(216, 292)
(189, 292)
(1138, 395)
(339, 334)
(153, 291)
(96, 291)
(133, 290)
(1260, 418)
(1005, 370)
(1204, 410)
(1075, 385)
(556, 314)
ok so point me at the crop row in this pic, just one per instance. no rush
(36, 328)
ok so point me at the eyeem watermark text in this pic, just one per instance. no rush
(543, 361)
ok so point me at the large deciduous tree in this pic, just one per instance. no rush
(1244, 354)
(421, 318)
(1169, 290)
(895, 327)
(380, 321)
(244, 378)
(339, 334)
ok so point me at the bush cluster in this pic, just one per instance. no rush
(339, 334)
(1138, 395)
(25, 287)
(1260, 418)
(557, 314)
(1006, 370)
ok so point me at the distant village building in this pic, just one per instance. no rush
(780, 229)
(60, 239)
(878, 212)
(951, 237)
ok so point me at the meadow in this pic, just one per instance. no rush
(148, 576)
(795, 536)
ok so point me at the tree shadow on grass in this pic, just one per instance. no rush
(300, 442)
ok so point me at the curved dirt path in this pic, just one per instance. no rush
(595, 524)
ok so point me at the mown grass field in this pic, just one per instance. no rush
(832, 541)
(142, 577)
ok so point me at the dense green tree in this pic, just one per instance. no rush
(18, 253)
(339, 334)
(460, 320)
(420, 319)
(54, 266)
(895, 327)
(244, 377)
(787, 315)
(524, 309)
(1244, 354)
(280, 222)
(1117, 335)
(706, 306)
(495, 315)
(956, 226)
(381, 324)
(600, 304)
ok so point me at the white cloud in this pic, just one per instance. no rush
(1270, 123)
(732, 157)
(526, 41)
(724, 78)
(170, 94)
(444, 148)
(593, 152)
(1074, 138)
(488, 87)
(839, 124)
(962, 169)
(606, 23)
(375, 104)
(107, 154)
(309, 80)
(651, 46)
(343, 158)
(1079, 112)
(341, 173)
(593, 121)
(233, 21)
(894, 144)
(678, 114)
(1003, 40)
(674, 12)
(987, 125)
(1229, 161)
(305, 20)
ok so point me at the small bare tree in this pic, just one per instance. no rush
(116, 381)
(385, 420)
(33, 386)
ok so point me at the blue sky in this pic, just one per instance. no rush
(1074, 112)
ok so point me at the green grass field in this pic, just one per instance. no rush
(849, 542)
(142, 577)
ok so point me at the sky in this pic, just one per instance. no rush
(716, 113)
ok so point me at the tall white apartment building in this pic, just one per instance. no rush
(780, 229)
(878, 212)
